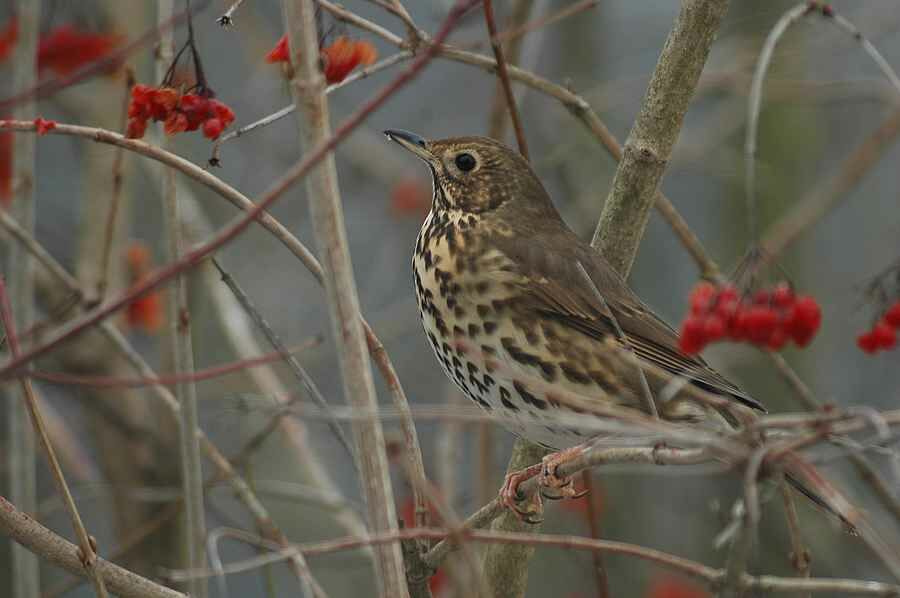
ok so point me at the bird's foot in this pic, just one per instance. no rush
(530, 510)
(553, 485)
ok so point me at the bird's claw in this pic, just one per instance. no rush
(551, 485)
(561, 486)
(531, 510)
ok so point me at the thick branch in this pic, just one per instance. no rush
(506, 567)
(649, 145)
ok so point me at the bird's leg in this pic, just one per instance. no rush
(561, 486)
(510, 497)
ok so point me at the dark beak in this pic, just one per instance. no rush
(410, 141)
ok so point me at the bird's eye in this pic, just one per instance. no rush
(465, 161)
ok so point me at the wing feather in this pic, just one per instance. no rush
(555, 286)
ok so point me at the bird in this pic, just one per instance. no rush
(522, 313)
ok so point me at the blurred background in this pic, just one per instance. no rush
(824, 98)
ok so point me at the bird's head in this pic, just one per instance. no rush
(477, 175)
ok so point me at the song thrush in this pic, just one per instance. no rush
(518, 309)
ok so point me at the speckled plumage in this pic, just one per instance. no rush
(508, 311)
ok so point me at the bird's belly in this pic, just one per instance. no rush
(469, 345)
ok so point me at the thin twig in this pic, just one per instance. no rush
(170, 380)
(742, 533)
(227, 19)
(503, 75)
(415, 465)
(754, 102)
(499, 110)
(118, 180)
(883, 65)
(799, 557)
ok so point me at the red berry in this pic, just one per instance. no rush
(761, 322)
(777, 340)
(701, 297)
(728, 292)
(892, 315)
(713, 328)
(692, 339)
(739, 324)
(783, 296)
(726, 308)
(196, 109)
(212, 128)
(166, 97)
(762, 297)
(141, 92)
(176, 122)
(136, 128)
(885, 335)
(867, 342)
(191, 102)
(804, 320)
(222, 112)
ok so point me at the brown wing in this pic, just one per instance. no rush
(557, 288)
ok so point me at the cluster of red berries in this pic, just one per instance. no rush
(883, 334)
(179, 112)
(767, 318)
(338, 59)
